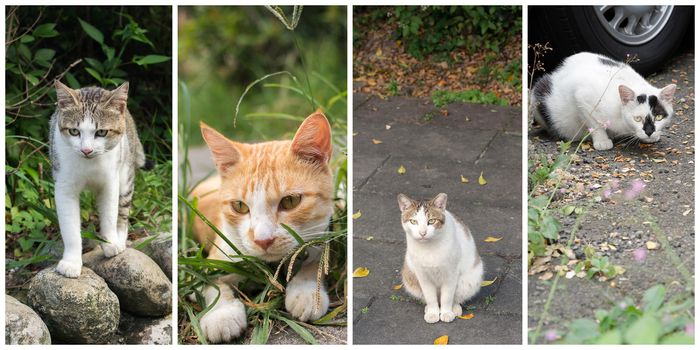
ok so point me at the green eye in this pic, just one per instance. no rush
(413, 222)
(659, 117)
(240, 207)
(74, 132)
(101, 133)
(290, 202)
(638, 118)
(431, 221)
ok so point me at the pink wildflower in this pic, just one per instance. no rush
(690, 329)
(606, 124)
(640, 255)
(551, 335)
(635, 189)
(591, 129)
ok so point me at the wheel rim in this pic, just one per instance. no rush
(633, 25)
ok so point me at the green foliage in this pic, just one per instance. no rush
(81, 46)
(442, 98)
(224, 49)
(654, 321)
(427, 30)
(595, 264)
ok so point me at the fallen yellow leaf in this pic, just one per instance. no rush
(651, 245)
(397, 287)
(488, 283)
(401, 170)
(442, 340)
(376, 142)
(482, 181)
(370, 238)
(466, 317)
(357, 215)
(463, 179)
(490, 239)
(360, 272)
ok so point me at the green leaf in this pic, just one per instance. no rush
(653, 298)
(92, 32)
(95, 64)
(45, 30)
(24, 52)
(303, 332)
(568, 210)
(44, 54)
(611, 337)
(31, 79)
(677, 338)
(550, 227)
(581, 331)
(645, 330)
(92, 235)
(26, 39)
(261, 333)
(94, 73)
(293, 233)
(151, 59)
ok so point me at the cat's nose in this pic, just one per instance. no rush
(264, 243)
(86, 151)
(422, 233)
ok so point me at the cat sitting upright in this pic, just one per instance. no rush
(593, 93)
(259, 187)
(93, 145)
(442, 266)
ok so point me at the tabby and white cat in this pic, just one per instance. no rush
(442, 266)
(258, 188)
(591, 92)
(93, 145)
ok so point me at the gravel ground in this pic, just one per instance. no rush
(617, 227)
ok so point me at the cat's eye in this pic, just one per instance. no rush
(240, 207)
(659, 117)
(101, 133)
(290, 202)
(432, 221)
(413, 222)
(74, 132)
(638, 118)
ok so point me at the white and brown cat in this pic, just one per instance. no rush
(442, 266)
(93, 145)
(259, 187)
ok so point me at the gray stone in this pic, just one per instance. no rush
(76, 310)
(142, 287)
(22, 325)
(146, 330)
(159, 249)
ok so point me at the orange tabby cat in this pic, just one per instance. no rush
(259, 187)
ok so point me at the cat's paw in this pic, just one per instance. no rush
(300, 300)
(602, 145)
(225, 322)
(112, 249)
(70, 269)
(431, 315)
(447, 316)
(457, 309)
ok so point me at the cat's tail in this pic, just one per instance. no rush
(538, 105)
(142, 162)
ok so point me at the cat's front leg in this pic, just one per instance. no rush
(108, 204)
(432, 309)
(447, 295)
(227, 319)
(305, 299)
(601, 140)
(68, 212)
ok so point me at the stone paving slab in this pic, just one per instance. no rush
(435, 150)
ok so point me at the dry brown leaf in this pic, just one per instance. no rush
(376, 142)
(466, 317)
(360, 272)
(397, 287)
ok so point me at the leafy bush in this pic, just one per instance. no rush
(442, 98)
(81, 46)
(426, 30)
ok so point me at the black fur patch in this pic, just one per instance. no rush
(541, 90)
(649, 127)
(608, 62)
(656, 108)
(642, 98)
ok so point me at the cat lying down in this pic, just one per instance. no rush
(591, 93)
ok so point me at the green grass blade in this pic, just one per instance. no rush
(299, 329)
(293, 233)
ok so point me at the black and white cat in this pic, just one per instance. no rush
(593, 93)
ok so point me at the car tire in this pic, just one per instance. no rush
(573, 29)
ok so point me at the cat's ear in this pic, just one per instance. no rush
(65, 96)
(440, 201)
(222, 149)
(117, 97)
(626, 94)
(313, 139)
(667, 92)
(405, 203)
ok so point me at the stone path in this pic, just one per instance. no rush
(435, 150)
